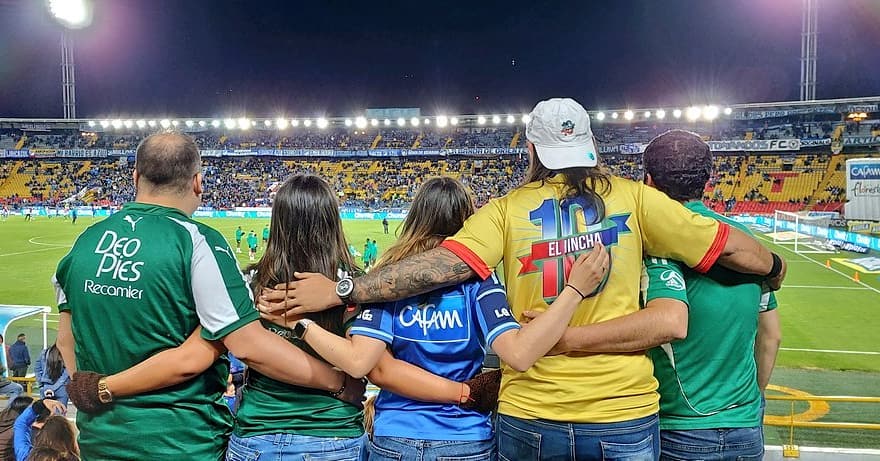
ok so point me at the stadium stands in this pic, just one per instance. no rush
(383, 164)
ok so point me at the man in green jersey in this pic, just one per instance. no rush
(265, 235)
(238, 235)
(140, 282)
(252, 245)
(710, 384)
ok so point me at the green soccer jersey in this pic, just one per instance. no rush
(252, 240)
(238, 235)
(265, 233)
(708, 380)
(272, 407)
(135, 284)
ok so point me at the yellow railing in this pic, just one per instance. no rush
(791, 421)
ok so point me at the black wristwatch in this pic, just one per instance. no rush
(299, 330)
(344, 288)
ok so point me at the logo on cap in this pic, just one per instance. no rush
(567, 127)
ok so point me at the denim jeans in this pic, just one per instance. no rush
(740, 444)
(292, 447)
(11, 389)
(402, 449)
(538, 439)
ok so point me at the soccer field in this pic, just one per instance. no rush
(830, 322)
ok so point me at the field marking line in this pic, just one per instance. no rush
(34, 242)
(825, 287)
(821, 265)
(33, 251)
(828, 351)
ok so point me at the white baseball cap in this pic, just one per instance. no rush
(560, 130)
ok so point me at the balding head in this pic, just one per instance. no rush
(167, 163)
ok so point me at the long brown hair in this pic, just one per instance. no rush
(438, 210)
(586, 182)
(305, 236)
(54, 363)
(57, 432)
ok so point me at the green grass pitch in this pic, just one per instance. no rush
(830, 322)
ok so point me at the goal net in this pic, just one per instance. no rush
(806, 234)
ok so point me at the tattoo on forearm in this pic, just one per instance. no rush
(415, 275)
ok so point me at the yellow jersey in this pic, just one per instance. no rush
(535, 235)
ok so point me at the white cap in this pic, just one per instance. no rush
(560, 130)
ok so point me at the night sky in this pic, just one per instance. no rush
(258, 58)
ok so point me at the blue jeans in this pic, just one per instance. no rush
(11, 389)
(538, 439)
(292, 447)
(740, 444)
(403, 449)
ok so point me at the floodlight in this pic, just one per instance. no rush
(442, 121)
(526, 119)
(348, 122)
(728, 111)
(128, 123)
(141, 124)
(294, 122)
(693, 113)
(628, 115)
(215, 123)
(414, 121)
(253, 123)
(427, 121)
(189, 123)
(600, 116)
(647, 114)
(496, 119)
(91, 123)
(322, 123)
(710, 112)
(511, 119)
(244, 123)
(453, 121)
(152, 123)
(165, 123)
(676, 113)
(661, 114)
(374, 122)
(281, 123)
(307, 123)
(229, 123)
(401, 122)
(202, 123)
(360, 122)
(268, 123)
(614, 115)
(387, 122)
(116, 124)
(174, 123)
(481, 120)
(73, 14)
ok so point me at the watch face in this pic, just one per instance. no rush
(299, 329)
(344, 287)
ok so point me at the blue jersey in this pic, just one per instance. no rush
(445, 332)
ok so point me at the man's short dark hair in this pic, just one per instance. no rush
(679, 163)
(21, 335)
(167, 161)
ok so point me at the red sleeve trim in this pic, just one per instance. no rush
(468, 257)
(715, 250)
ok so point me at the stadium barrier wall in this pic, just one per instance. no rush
(251, 213)
(866, 241)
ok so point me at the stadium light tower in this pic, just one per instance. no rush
(809, 38)
(70, 14)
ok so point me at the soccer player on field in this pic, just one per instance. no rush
(238, 235)
(252, 245)
(151, 279)
(580, 406)
(265, 235)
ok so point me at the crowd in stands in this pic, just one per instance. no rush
(374, 183)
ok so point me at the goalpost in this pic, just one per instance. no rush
(806, 234)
